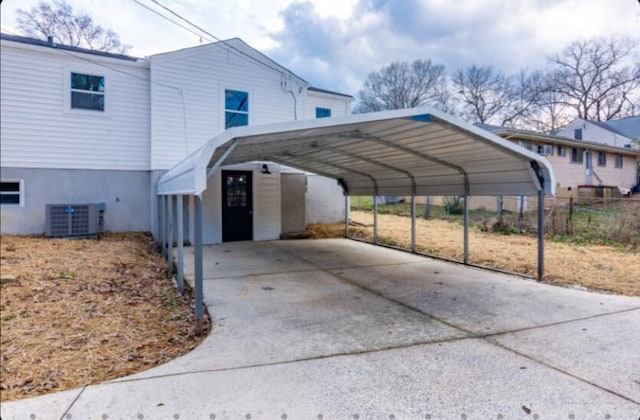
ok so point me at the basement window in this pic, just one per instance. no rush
(87, 92)
(236, 108)
(11, 192)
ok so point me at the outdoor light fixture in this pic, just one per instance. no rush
(265, 169)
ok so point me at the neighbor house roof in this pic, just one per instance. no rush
(628, 127)
(509, 133)
(416, 151)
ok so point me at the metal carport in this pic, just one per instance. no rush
(411, 152)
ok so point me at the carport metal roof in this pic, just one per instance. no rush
(418, 151)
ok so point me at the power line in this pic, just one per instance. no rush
(223, 43)
(170, 20)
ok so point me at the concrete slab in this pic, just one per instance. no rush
(482, 301)
(603, 350)
(46, 407)
(277, 318)
(462, 379)
(244, 258)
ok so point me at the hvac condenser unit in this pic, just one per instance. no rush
(74, 219)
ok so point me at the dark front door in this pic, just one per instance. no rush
(237, 206)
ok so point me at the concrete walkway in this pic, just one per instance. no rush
(336, 329)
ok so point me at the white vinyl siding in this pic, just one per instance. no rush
(266, 202)
(187, 98)
(34, 87)
(339, 105)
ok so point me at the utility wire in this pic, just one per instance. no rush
(171, 20)
(223, 43)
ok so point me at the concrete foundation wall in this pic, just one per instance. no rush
(293, 205)
(125, 194)
(325, 200)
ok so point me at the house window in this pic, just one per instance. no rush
(236, 108)
(576, 155)
(602, 159)
(562, 151)
(11, 192)
(87, 92)
(526, 144)
(618, 160)
(323, 112)
(577, 134)
(544, 149)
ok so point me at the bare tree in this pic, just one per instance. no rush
(591, 77)
(59, 21)
(483, 93)
(402, 85)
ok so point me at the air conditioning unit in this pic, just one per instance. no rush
(63, 220)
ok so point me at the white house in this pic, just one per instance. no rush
(623, 132)
(80, 126)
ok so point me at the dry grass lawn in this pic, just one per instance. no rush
(601, 268)
(79, 312)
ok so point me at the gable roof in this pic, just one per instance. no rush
(628, 127)
(419, 151)
(50, 44)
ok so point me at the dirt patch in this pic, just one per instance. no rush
(605, 268)
(80, 312)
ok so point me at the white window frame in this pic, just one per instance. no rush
(223, 105)
(20, 192)
(66, 86)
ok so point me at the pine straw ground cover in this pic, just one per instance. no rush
(79, 312)
(605, 268)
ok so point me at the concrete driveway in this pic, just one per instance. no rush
(337, 329)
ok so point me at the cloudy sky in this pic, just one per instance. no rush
(334, 44)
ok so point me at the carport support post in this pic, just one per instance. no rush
(466, 229)
(169, 235)
(540, 235)
(347, 208)
(413, 223)
(198, 257)
(161, 229)
(375, 219)
(180, 240)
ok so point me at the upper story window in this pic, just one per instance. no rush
(562, 151)
(323, 112)
(619, 160)
(602, 158)
(87, 92)
(577, 134)
(11, 192)
(577, 155)
(236, 108)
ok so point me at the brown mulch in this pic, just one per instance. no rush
(83, 311)
(603, 268)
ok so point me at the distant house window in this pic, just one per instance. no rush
(576, 155)
(544, 149)
(619, 160)
(602, 159)
(562, 151)
(323, 112)
(11, 192)
(87, 92)
(236, 108)
(526, 144)
(577, 134)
